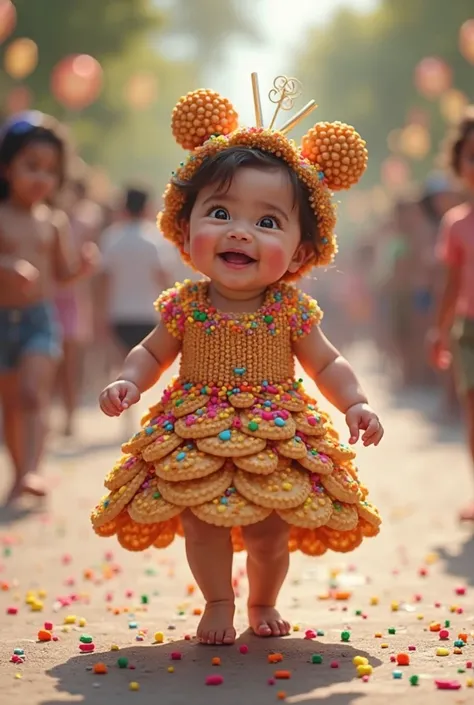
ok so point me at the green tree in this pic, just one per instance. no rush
(360, 69)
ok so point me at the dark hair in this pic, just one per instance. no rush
(220, 169)
(17, 136)
(135, 201)
(464, 129)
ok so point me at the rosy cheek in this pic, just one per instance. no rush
(274, 255)
(201, 243)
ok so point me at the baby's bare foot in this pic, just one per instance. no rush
(267, 621)
(34, 485)
(217, 624)
(467, 514)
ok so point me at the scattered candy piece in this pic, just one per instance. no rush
(214, 680)
(134, 686)
(447, 685)
(100, 668)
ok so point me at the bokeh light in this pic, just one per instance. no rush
(21, 58)
(17, 100)
(466, 40)
(433, 76)
(394, 173)
(76, 81)
(141, 90)
(415, 141)
(452, 105)
(7, 19)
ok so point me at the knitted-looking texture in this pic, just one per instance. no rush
(235, 437)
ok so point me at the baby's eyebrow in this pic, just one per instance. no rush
(275, 209)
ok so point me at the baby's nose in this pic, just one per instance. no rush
(239, 234)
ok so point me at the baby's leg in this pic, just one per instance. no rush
(267, 565)
(209, 551)
(12, 426)
(37, 374)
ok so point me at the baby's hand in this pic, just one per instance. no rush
(360, 417)
(118, 397)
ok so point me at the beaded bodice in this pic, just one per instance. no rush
(244, 349)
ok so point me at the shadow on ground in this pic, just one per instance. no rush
(460, 564)
(245, 675)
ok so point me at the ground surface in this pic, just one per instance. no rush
(419, 476)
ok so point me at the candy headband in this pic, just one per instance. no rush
(331, 157)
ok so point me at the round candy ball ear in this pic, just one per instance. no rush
(200, 114)
(338, 150)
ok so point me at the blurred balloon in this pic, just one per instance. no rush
(466, 40)
(76, 81)
(7, 19)
(418, 116)
(21, 58)
(432, 77)
(18, 99)
(394, 172)
(415, 141)
(141, 90)
(452, 105)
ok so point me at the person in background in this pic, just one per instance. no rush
(134, 273)
(454, 329)
(36, 255)
(74, 302)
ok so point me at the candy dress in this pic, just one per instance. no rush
(235, 437)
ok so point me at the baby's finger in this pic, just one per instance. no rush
(108, 408)
(353, 425)
(371, 428)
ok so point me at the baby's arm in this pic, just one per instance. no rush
(142, 368)
(338, 382)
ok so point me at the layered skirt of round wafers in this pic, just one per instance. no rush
(232, 457)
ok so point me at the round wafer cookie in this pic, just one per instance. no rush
(137, 537)
(230, 509)
(149, 507)
(344, 517)
(168, 531)
(187, 463)
(342, 486)
(111, 505)
(317, 462)
(231, 444)
(155, 428)
(262, 463)
(213, 420)
(124, 470)
(290, 402)
(281, 490)
(339, 452)
(184, 405)
(310, 422)
(341, 541)
(110, 528)
(272, 425)
(242, 400)
(368, 530)
(292, 448)
(311, 544)
(190, 493)
(161, 446)
(315, 511)
(369, 513)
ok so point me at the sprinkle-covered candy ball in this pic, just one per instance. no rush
(338, 150)
(200, 114)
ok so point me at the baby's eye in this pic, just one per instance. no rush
(219, 213)
(268, 222)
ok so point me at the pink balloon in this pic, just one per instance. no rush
(466, 40)
(76, 81)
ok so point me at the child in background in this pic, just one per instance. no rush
(236, 454)
(455, 315)
(35, 255)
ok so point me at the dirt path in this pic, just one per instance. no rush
(417, 477)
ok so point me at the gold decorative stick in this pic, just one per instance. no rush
(300, 115)
(256, 101)
(284, 92)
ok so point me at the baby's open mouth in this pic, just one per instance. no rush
(236, 258)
